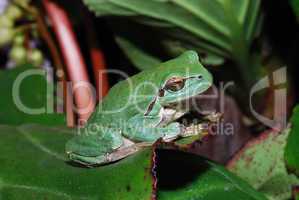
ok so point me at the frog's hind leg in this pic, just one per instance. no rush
(126, 150)
(92, 149)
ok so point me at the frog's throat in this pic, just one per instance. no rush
(168, 115)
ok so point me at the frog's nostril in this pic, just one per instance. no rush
(199, 77)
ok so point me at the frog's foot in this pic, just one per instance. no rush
(86, 160)
(194, 129)
(198, 127)
(172, 131)
(128, 148)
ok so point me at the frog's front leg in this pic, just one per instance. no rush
(146, 129)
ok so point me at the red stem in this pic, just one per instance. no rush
(99, 66)
(74, 61)
(97, 58)
(58, 65)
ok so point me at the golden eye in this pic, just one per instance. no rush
(175, 84)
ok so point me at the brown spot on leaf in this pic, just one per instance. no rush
(248, 160)
(251, 143)
(295, 192)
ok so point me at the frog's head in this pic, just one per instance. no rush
(186, 78)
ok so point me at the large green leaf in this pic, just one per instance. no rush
(209, 21)
(103, 7)
(184, 176)
(292, 150)
(33, 93)
(217, 29)
(261, 163)
(33, 166)
(176, 15)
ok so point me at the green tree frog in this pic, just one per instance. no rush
(139, 111)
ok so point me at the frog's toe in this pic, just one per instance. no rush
(172, 131)
(88, 161)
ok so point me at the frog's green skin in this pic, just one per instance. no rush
(135, 110)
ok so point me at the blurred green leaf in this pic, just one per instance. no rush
(33, 166)
(26, 87)
(140, 59)
(218, 30)
(292, 150)
(220, 26)
(184, 176)
(104, 7)
(295, 7)
(261, 163)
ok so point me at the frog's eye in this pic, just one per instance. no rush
(175, 84)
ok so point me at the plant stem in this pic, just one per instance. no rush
(58, 65)
(73, 58)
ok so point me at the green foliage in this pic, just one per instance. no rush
(261, 163)
(199, 179)
(136, 55)
(210, 21)
(33, 166)
(295, 7)
(34, 92)
(217, 29)
(292, 150)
